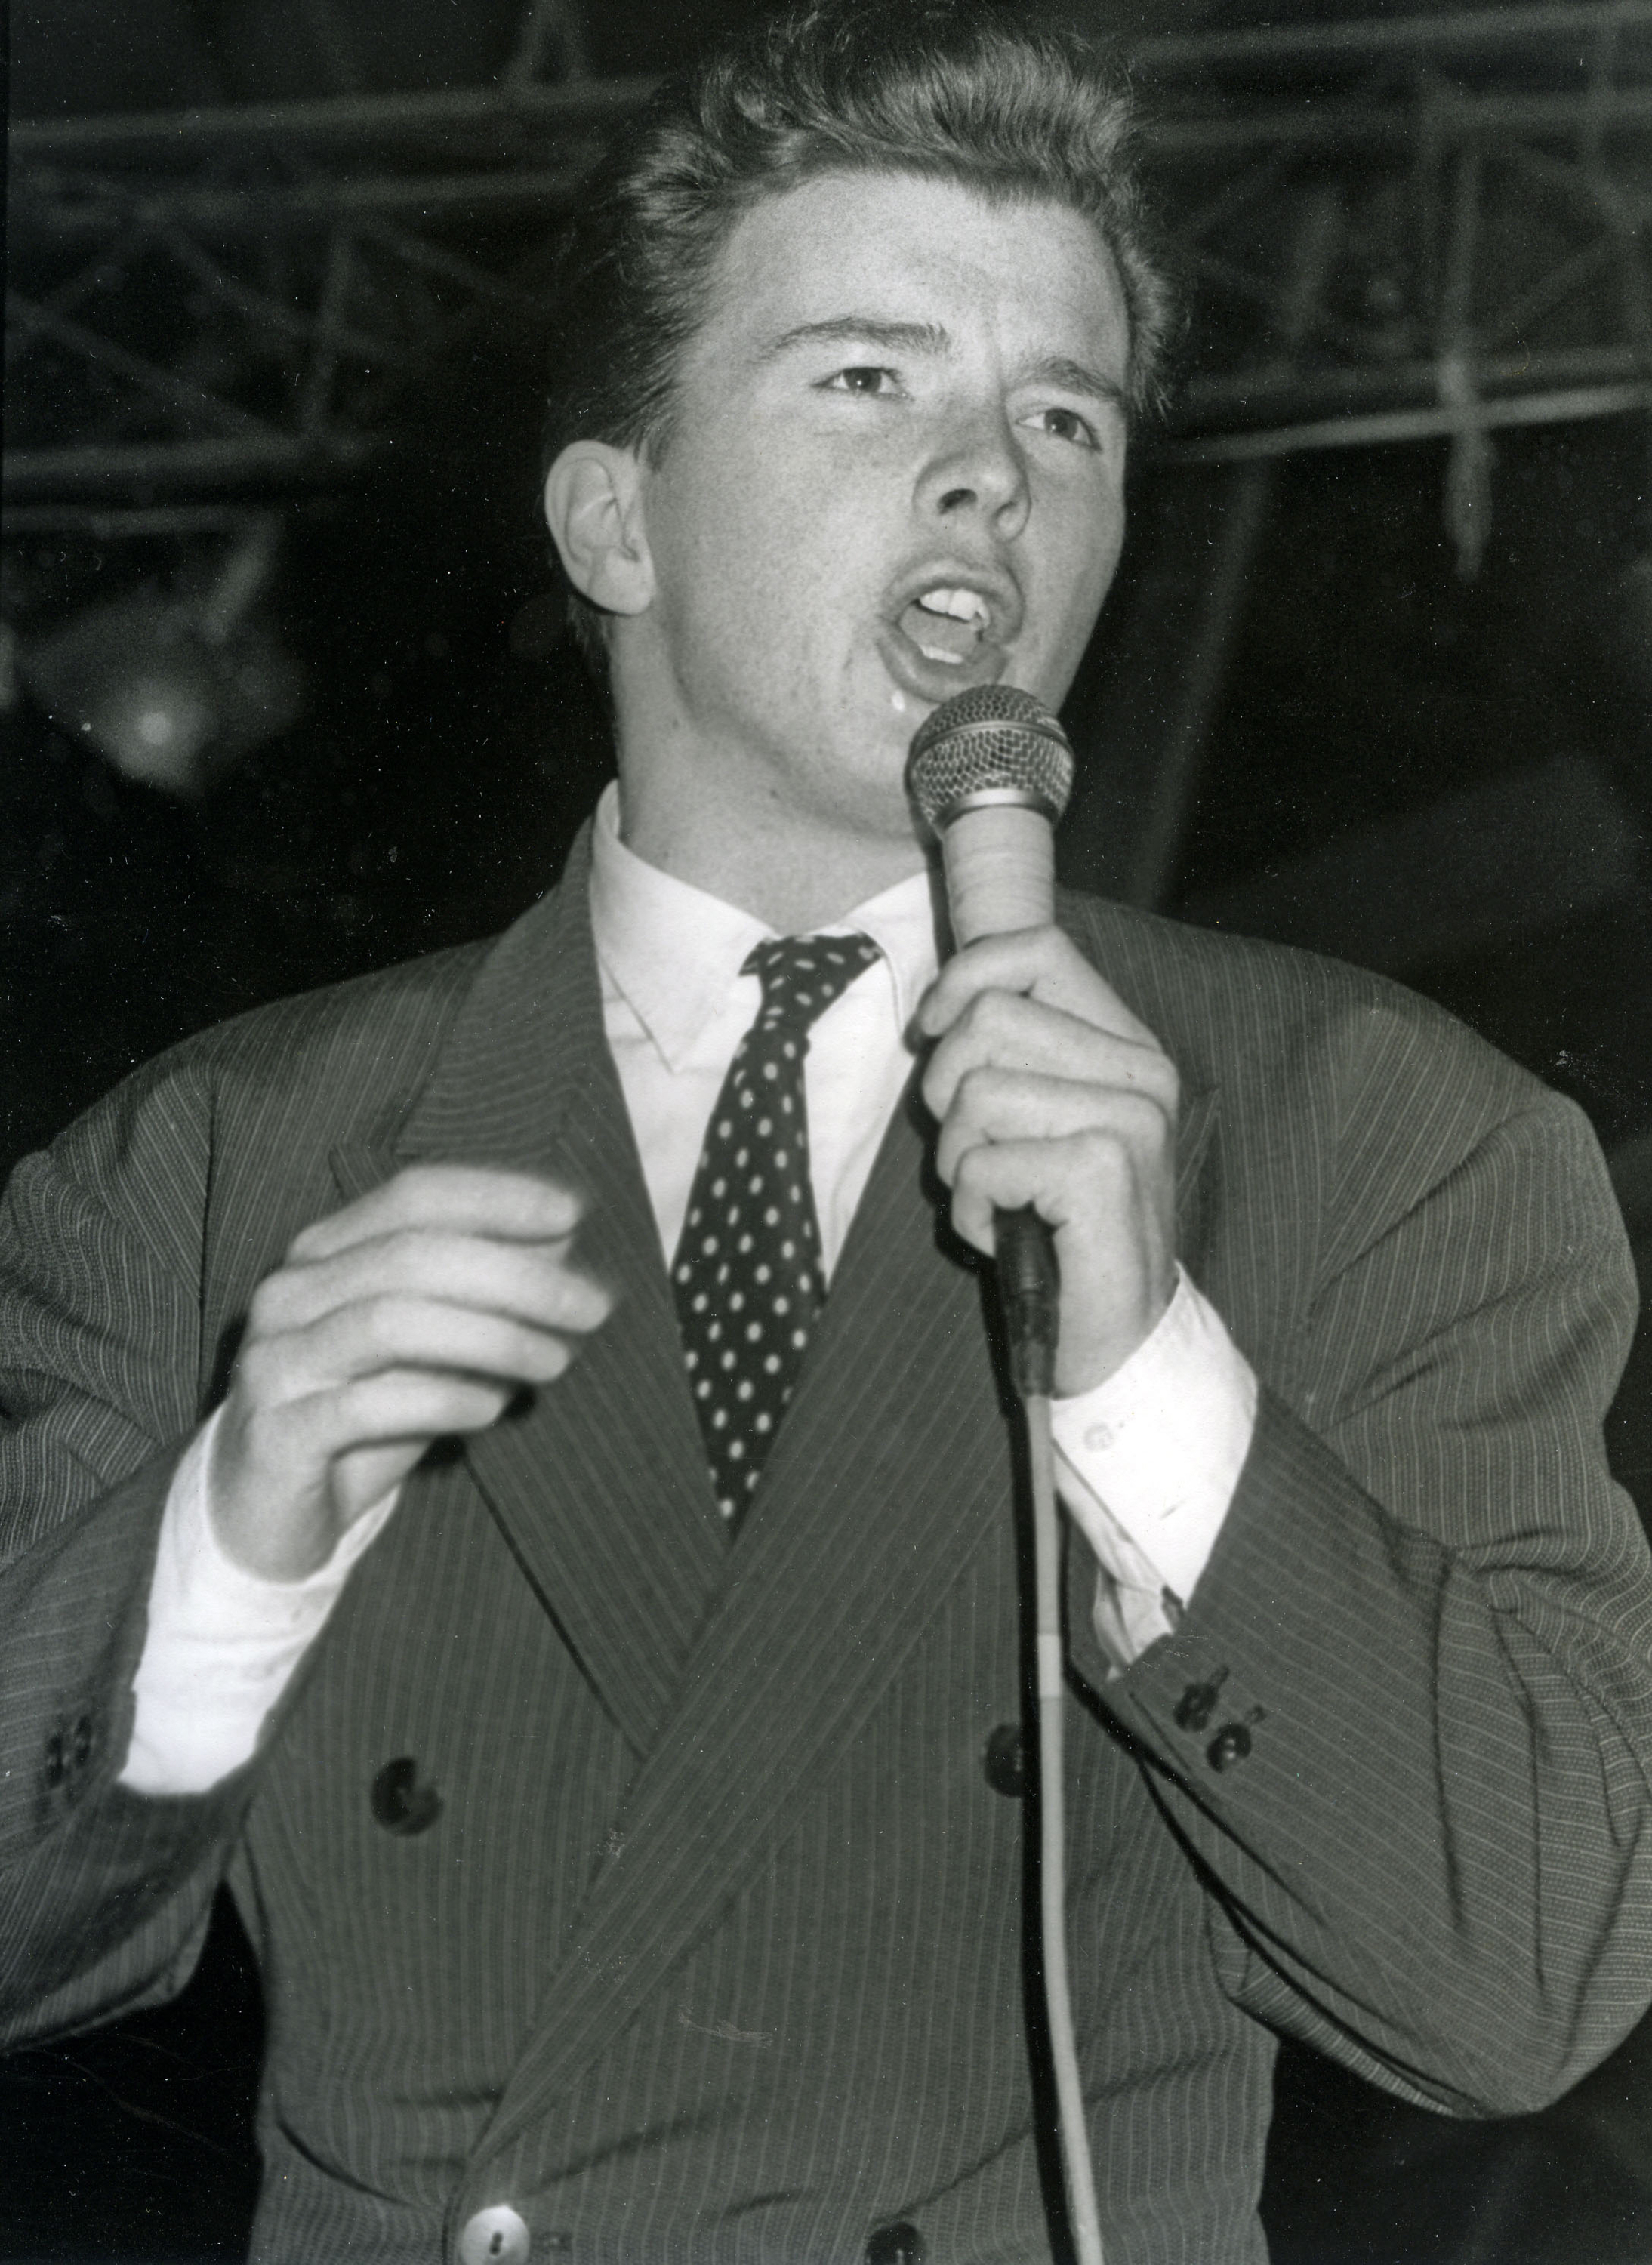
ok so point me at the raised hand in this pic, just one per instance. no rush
(419, 1311)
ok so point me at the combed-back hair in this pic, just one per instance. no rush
(956, 89)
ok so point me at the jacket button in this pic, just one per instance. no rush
(402, 1805)
(1004, 1760)
(900, 2244)
(84, 1740)
(56, 1759)
(1231, 1744)
(496, 2236)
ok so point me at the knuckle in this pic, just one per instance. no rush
(1105, 1152)
(256, 1369)
(349, 1412)
(569, 1204)
(966, 1097)
(971, 1168)
(403, 1254)
(274, 1302)
(1150, 1123)
(384, 1318)
(416, 1194)
(974, 1090)
(990, 1012)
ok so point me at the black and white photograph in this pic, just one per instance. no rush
(826, 1118)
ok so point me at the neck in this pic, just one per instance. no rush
(791, 880)
(794, 872)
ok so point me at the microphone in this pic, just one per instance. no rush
(990, 771)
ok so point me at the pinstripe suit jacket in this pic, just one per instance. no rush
(699, 1938)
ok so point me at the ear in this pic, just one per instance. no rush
(592, 506)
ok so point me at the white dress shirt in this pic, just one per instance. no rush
(1146, 1463)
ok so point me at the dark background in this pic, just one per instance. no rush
(1448, 778)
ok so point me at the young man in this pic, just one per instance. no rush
(615, 1758)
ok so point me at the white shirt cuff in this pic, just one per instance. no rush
(1147, 1463)
(222, 1642)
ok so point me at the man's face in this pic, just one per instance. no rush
(897, 470)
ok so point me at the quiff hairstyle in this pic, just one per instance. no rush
(953, 89)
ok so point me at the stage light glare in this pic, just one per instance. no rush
(171, 692)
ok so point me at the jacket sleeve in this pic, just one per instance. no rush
(104, 1894)
(1404, 1731)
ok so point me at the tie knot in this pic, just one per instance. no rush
(802, 975)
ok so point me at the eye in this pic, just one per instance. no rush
(1065, 425)
(869, 380)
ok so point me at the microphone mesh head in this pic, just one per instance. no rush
(993, 742)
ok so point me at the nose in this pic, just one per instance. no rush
(976, 469)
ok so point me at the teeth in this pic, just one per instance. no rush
(934, 653)
(962, 605)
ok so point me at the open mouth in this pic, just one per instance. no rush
(948, 625)
(949, 635)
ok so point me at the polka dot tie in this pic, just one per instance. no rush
(747, 1274)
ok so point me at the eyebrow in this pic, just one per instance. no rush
(1078, 378)
(932, 338)
(869, 330)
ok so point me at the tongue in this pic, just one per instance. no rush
(940, 632)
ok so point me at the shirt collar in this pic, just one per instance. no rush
(675, 951)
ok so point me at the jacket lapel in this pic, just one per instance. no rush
(599, 1483)
(893, 1468)
(861, 1525)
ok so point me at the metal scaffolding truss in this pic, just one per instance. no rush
(1427, 227)
(1398, 231)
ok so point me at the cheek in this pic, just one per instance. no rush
(1083, 568)
(715, 572)
(765, 557)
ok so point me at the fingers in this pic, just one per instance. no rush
(1040, 963)
(418, 1312)
(1050, 1092)
(389, 1333)
(1025, 1038)
(531, 1281)
(299, 1435)
(289, 1477)
(1096, 1188)
(454, 1198)
(993, 1107)
(1005, 1039)
(405, 1281)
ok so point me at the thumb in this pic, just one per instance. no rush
(362, 1476)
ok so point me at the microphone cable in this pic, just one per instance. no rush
(1029, 1286)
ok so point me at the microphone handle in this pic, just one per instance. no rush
(1030, 1292)
(1000, 861)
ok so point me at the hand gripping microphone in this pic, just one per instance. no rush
(990, 772)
